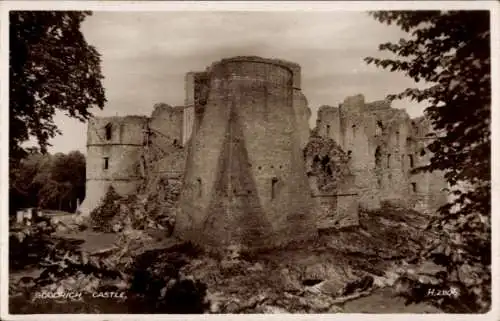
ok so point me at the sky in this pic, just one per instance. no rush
(145, 56)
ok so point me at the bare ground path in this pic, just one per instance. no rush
(276, 281)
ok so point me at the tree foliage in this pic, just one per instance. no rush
(48, 181)
(450, 52)
(52, 67)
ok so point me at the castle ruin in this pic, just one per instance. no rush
(252, 171)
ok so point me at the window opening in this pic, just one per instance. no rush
(108, 131)
(380, 129)
(378, 157)
(412, 163)
(274, 182)
(198, 183)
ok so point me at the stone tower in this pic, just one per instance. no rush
(384, 146)
(114, 155)
(245, 180)
(196, 86)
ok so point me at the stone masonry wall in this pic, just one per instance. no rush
(427, 188)
(165, 155)
(196, 95)
(241, 145)
(114, 151)
(385, 145)
(245, 177)
(331, 182)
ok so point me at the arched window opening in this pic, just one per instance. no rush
(353, 130)
(327, 130)
(108, 131)
(106, 163)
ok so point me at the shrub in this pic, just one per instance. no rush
(102, 216)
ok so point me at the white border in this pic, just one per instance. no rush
(244, 6)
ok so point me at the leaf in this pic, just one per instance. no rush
(449, 51)
(49, 72)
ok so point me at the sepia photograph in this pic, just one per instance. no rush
(256, 158)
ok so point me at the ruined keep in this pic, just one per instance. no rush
(252, 171)
(384, 145)
(114, 146)
(245, 179)
(132, 151)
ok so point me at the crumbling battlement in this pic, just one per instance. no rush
(385, 145)
(252, 171)
(126, 152)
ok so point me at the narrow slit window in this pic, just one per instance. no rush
(106, 162)
(389, 161)
(414, 187)
(378, 156)
(328, 130)
(274, 183)
(198, 185)
(412, 163)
